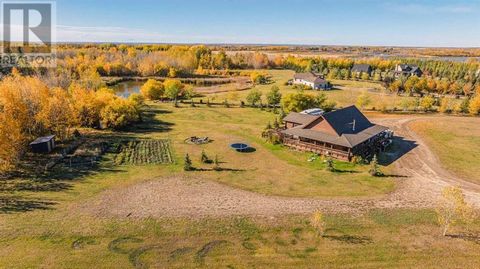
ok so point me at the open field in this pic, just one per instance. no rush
(395, 239)
(60, 224)
(345, 92)
(456, 142)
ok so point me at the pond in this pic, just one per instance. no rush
(127, 88)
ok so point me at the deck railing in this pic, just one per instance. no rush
(305, 146)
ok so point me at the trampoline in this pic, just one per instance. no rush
(240, 147)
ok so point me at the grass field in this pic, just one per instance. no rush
(43, 222)
(380, 239)
(456, 142)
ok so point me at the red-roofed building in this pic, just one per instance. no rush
(342, 134)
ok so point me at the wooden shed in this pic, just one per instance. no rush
(43, 144)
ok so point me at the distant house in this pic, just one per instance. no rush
(408, 70)
(362, 68)
(312, 80)
(341, 134)
(43, 144)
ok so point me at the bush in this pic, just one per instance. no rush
(474, 106)
(119, 113)
(254, 96)
(330, 164)
(152, 89)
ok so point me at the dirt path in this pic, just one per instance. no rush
(425, 174)
(420, 185)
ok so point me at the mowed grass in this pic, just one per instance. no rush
(273, 170)
(456, 142)
(380, 239)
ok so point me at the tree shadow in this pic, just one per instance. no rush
(392, 176)
(397, 150)
(467, 237)
(14, 204)
(249, 150)
(345, 171)
(221, 169)
(350, 239)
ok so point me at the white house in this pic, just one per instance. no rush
(311, 80)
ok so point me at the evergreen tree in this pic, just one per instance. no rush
(188, 163)
(216, 163)
(374, 168)
(276, 125)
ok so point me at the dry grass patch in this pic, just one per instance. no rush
(455, 140)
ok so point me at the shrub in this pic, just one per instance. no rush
(152, 89)
(474, 106)
(254, 96)
(330, 164)
(427, 103)
(119, 113)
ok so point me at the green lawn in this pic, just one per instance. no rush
(455, 140)
(270, 169)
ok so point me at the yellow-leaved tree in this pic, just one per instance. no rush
(474, 106)
(453, 209)
(318, 222)
(152, 89)
(56, 113)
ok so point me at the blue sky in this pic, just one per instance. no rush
(322, 22)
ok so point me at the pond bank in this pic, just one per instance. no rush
(112, 81)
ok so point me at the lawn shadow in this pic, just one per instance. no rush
(150, 123)
(15, 204)
(397, 150)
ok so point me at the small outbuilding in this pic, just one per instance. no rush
(43, 144)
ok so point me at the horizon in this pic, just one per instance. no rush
(372, 23)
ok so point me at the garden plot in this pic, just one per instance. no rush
(142, 152)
